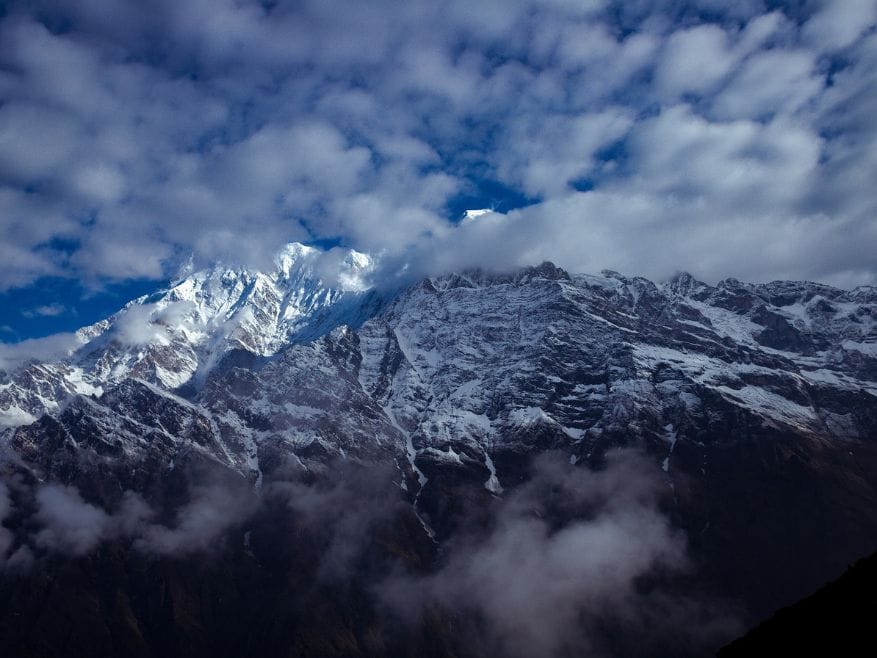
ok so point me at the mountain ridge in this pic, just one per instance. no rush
(219, 309)
(755, 404)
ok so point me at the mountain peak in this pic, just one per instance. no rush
(683, 283)
(294, 254)
(344, 269)
(546, 270)
(176, 336)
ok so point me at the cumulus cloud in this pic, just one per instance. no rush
(793, 82)
(567, 150)
(694, 61)
(225, 129)
(29, 222)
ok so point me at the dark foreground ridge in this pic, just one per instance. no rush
(837, 620)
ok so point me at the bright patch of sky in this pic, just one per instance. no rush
(726, 139)
(26, 315)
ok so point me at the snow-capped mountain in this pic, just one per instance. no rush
(175, 336)
(756, 403)
(473, 362)
(475, 358)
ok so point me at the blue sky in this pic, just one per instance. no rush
(726, 139)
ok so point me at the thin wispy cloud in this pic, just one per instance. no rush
(44, 311)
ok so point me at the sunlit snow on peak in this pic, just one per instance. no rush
(341, 269)
(176, 335)
(469, 215)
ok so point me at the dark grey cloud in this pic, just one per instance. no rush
(562, 568)
(730, 141)
(571, 562)
(344, 507)
(68, 525)
(21, 558)
(340, 505)
(212, 511)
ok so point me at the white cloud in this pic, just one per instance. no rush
(543, 157)
(728, 165)
(228, 128)
(45, 311)
(769, 83)
(99, 182)
(694, 61)
(147, 324)
(839, 23)
(760, 30)
(50, 348)
(34, 141)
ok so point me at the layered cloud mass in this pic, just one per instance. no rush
(645, 137)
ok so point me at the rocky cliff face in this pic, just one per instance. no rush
(756, 404)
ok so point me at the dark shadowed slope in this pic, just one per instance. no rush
(837, 620)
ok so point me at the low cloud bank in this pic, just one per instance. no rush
(345, 509)
(50, 348)
(572, 562)
(63, 523)
(566, 565)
